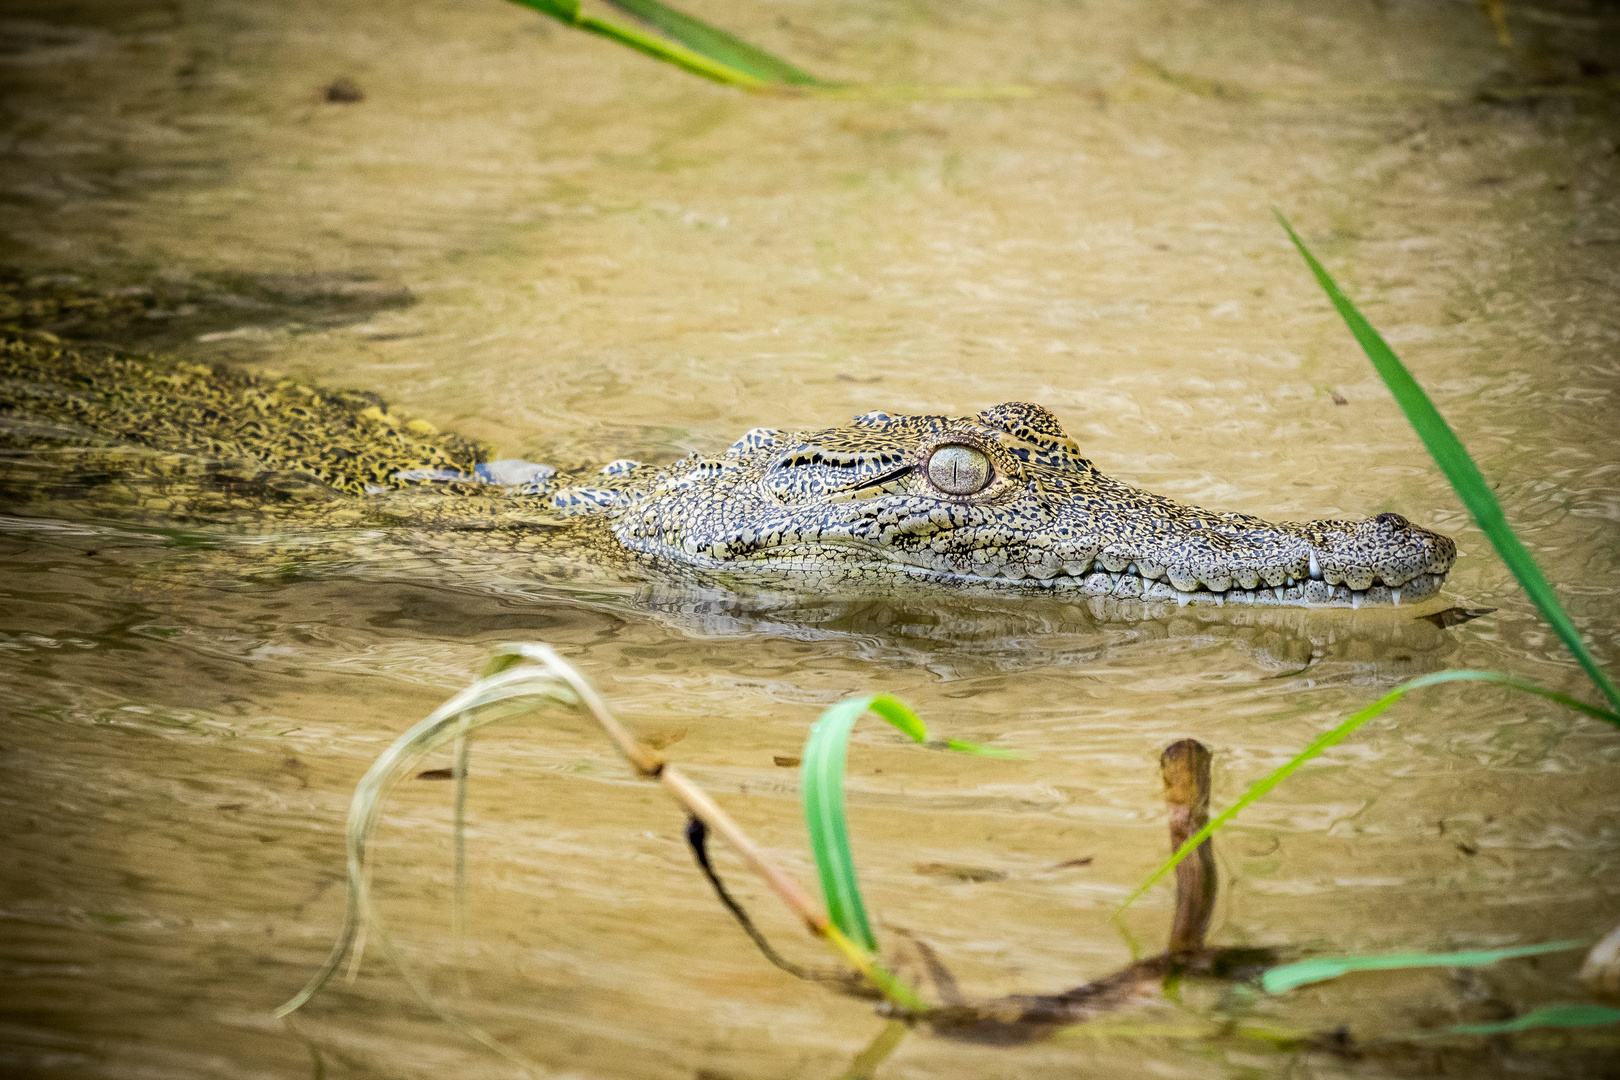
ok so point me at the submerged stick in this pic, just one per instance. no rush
(1337, 735)
(1025, 1017)
(1185, 766)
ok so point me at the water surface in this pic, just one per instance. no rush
(561, 248)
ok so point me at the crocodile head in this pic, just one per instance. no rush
(999, 501)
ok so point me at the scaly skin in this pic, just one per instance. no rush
(857, 505)
(1000, 502)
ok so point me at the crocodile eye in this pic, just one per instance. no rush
(958, 470)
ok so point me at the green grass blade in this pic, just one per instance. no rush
(712, 53)
(1339, 734)
(821, 775)
(1449, 453)
(962, 746)
(822, 778)
(1320, 968)
(716, 44)
(567, 11)
(1554, 1016)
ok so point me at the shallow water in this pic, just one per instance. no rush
(548, 243)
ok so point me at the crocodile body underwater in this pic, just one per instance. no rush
(998, 502)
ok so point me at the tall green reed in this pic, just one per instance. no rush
(1448, 453)
(704, 49)
(717, 44)
(727, 68)
(1337, 735)
(1459, 468)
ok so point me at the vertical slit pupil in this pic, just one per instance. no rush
(958, 470)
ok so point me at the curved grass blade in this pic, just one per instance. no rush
(962, 746)
(1338, 735)
(1553, 1016)
(716, 44)
(1321, 968)
(822, 777)
(567, 11)
(501, 695)
(1449, 453)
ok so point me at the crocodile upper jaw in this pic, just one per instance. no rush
(862, 504)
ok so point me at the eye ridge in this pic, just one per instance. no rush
(959, 469)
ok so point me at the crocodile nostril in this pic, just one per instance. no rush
(1390, 519)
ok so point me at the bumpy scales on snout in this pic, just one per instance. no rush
(998, 501)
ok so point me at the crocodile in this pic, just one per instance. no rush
(1001, 501)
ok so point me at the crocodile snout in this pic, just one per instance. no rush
(1382, 559)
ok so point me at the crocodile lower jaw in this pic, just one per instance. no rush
(828, 565)
(1307, 593)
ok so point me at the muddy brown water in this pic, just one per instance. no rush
(549, 243)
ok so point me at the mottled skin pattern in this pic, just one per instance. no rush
(1000, 502)
(857, 504)
(345, 440)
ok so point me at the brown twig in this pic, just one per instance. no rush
(697, 803)
(1185, 766)
(1025, 1017)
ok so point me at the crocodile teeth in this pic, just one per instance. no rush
(1316, 570)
